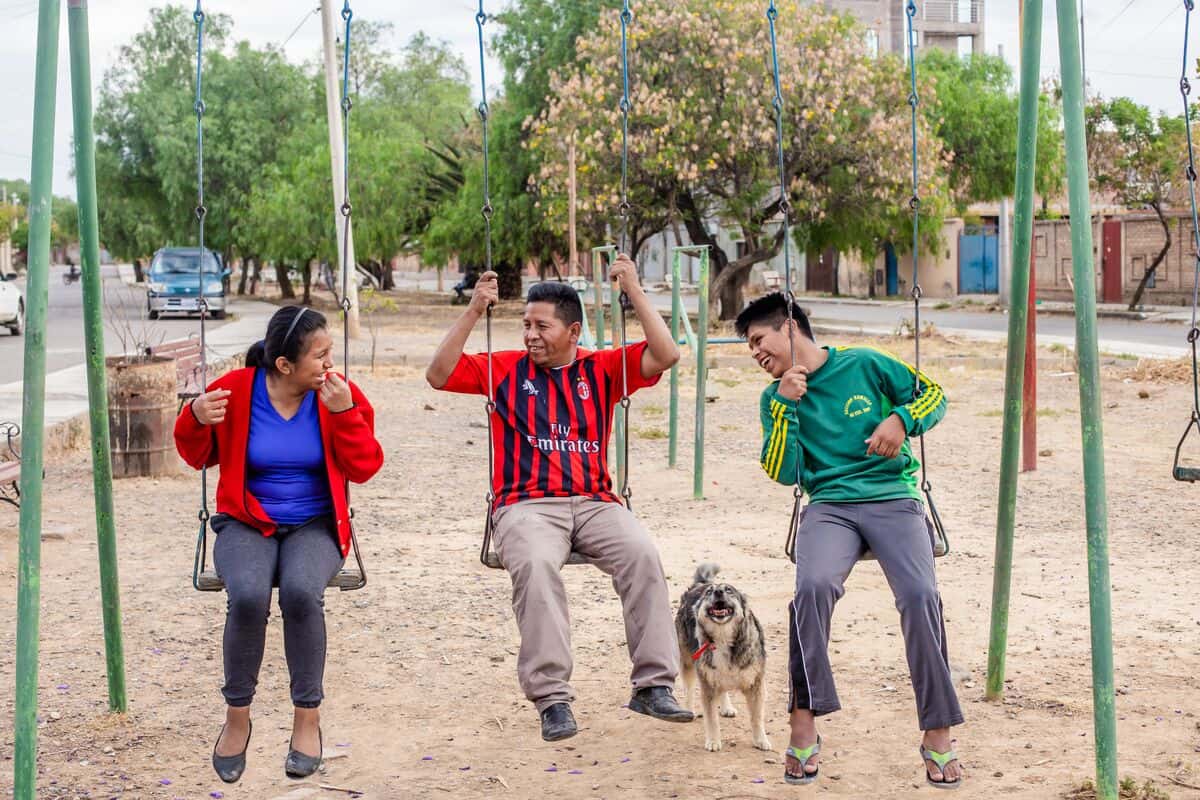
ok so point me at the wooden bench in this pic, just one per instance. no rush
(10, 471)
(189, 376)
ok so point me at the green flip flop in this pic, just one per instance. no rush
(802, 755)
(941, 759)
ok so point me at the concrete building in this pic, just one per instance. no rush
(954, 25)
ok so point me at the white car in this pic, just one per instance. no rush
(12, 304)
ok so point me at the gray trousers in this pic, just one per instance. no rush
(300, 559)
(830, 540)
(533, 540)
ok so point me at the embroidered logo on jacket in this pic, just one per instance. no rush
(857, 405)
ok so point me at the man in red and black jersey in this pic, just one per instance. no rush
(554, 412)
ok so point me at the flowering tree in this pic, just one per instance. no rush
(702, 134)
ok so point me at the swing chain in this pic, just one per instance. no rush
(1190, 170)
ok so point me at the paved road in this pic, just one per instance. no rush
(1137, 337)
(124, 306)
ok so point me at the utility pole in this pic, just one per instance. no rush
(573, 262)
(333, 111)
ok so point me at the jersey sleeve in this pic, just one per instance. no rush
(781, 450)
(469, 376)
(919, 413)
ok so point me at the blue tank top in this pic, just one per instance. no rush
(285, 459)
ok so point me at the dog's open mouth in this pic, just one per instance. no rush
(720, 612)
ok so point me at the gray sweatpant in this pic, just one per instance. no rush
(830, 540)
(533, 540)
(300, 559)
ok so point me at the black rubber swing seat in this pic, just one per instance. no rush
(1189, 474)
(347, 579)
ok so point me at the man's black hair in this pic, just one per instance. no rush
(564, 297)
(771, 309)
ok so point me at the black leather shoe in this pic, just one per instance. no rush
(558, 722)
(230, 768)
(659, 702)
(299, 765)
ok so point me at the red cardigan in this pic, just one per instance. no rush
(351, 451)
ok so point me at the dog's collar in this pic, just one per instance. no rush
(706, 646)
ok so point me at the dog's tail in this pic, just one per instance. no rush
(705, 573)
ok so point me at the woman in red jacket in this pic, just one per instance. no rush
(287, 432)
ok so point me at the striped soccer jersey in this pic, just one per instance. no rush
(551, 427)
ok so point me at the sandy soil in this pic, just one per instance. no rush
(422, 694)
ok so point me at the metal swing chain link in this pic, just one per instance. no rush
(914, 202)
(486, 210)
(346, 209)
(1185, 89)
(785, 210)
(201, 212)
(624, 210)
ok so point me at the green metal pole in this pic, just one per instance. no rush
(1031, 46)
(676, 310)
(598, 289)
(1090, 409)
(33, 418)
(701, 378)
(93, 304)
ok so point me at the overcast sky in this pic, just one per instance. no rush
(1133, 48)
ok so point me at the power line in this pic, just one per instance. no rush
(300, 25)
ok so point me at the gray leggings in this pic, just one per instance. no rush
(829, 542)
(300, 559)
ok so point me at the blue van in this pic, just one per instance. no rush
(173, 283)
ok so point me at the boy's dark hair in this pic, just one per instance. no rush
(287, 336)
(771, 309)
(564, 297)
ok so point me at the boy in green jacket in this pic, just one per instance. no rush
(836, 422)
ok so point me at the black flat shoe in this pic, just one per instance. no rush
(230, 768)
(558, 722)
(660, 703)
(299, 765)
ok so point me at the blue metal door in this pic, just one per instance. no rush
(979, 260)
(892, 270)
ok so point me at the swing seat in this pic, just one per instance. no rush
(489, 558)
(347, 579)
(1189, 474)
(492, 561)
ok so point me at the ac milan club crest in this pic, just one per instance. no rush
(581, 388)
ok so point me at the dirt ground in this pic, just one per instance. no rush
(422, 699)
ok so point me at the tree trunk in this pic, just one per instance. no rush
(387, 281)
(508, 276)
(256, 276)
(285, 283)
(306, 276)
(1162, 254)
(244, 277)
(138, 274)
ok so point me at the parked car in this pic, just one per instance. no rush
(12, 304)
(173, 282)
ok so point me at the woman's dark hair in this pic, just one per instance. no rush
(565, 299)
(287, 336)
(771, 309)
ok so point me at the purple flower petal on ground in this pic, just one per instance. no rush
(164, 782)
(551, 769)
(427, 758)
(463, 769)
(626, 760)
(216, 795)
(757, 780)
(62, 687)
(575, 772)
(342, 744)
